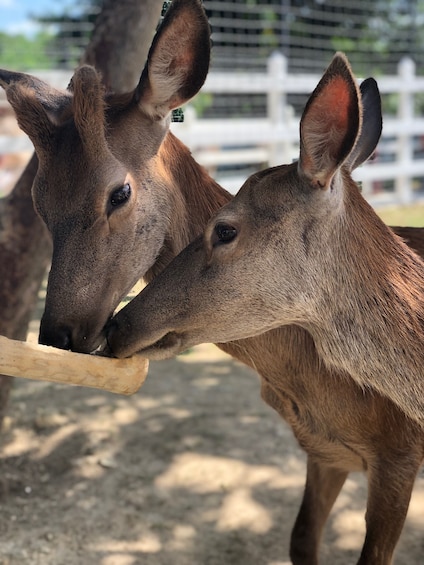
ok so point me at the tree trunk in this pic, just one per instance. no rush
(121, 39)
(119, 46)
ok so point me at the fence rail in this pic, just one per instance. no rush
(231, 148)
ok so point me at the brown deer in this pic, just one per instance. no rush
(122, 196)
(299, 245)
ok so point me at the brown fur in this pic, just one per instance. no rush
(196, 197)
(341, 426)
(88, 108)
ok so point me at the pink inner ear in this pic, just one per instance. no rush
(329, 126)
(335, 99)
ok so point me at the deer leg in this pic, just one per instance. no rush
(323, 485)
(390, 484)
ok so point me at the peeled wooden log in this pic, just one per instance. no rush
(44, 363)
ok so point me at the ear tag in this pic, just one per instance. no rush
(177, 115)
(165, 7)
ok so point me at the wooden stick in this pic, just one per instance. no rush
(44, 363)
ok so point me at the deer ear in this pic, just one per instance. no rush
(89, 107)
(38, 106)
(372, 124)
(178, 59)
(330, 123)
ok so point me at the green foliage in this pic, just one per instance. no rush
(395, 26)
(22, 53)
(202, 102)
(72, 31)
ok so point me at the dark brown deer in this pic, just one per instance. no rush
(119, 193)
(108, 232)
(299, 245)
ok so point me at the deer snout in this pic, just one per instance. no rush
(56, 337)
(68, 337)
(124, 339)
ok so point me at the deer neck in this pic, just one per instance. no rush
(369, 322)
(195, 198)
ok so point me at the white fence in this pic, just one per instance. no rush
(258, 142)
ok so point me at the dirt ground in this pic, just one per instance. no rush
(194, 469)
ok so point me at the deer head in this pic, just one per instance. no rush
(105, 185)
(271, 256)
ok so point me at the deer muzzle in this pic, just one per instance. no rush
(154, 346)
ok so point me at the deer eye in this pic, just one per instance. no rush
(224, 234)
(120, 195)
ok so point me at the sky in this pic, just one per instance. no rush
(14, 14)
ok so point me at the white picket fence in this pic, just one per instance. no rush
(252, 143)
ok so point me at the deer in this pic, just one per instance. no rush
(122, 196)
(299, 258)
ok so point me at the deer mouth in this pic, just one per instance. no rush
(167, 346)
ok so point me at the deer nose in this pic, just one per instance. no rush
(56, 337)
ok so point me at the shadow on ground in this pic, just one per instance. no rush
(192, 470)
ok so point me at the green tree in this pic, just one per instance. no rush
(73, 31)
(22, 53)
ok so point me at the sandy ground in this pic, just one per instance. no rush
(194, 469)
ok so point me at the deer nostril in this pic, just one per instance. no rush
(56, 337)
